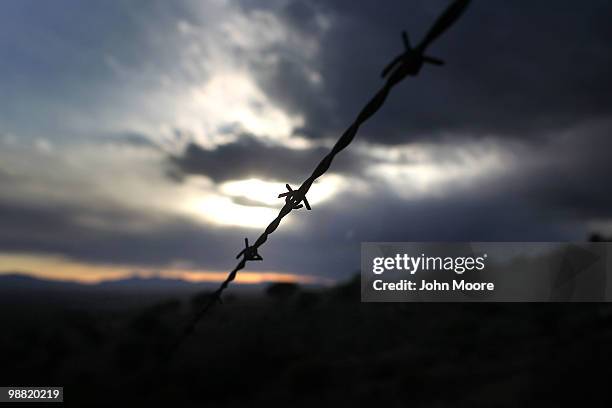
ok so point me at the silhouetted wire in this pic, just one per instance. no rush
(408, 63)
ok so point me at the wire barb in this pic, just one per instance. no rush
(249, 252)
(294, 198)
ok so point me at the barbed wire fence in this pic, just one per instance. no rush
(409, 63)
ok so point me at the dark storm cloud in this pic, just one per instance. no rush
(539, 201)
(570, 176)
(537, 72)
(251, 157)
(58, 230)
(513, 68)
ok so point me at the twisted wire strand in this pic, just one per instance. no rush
(291, 203)
(408, 63)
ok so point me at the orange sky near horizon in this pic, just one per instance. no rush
(54, 267)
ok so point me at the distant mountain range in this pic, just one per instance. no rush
(22, 281)
(17, 288)
(16, 280)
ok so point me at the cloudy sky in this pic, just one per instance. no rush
(150, 137)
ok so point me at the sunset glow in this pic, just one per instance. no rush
(63, 269)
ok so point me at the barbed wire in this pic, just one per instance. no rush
(409, 63)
